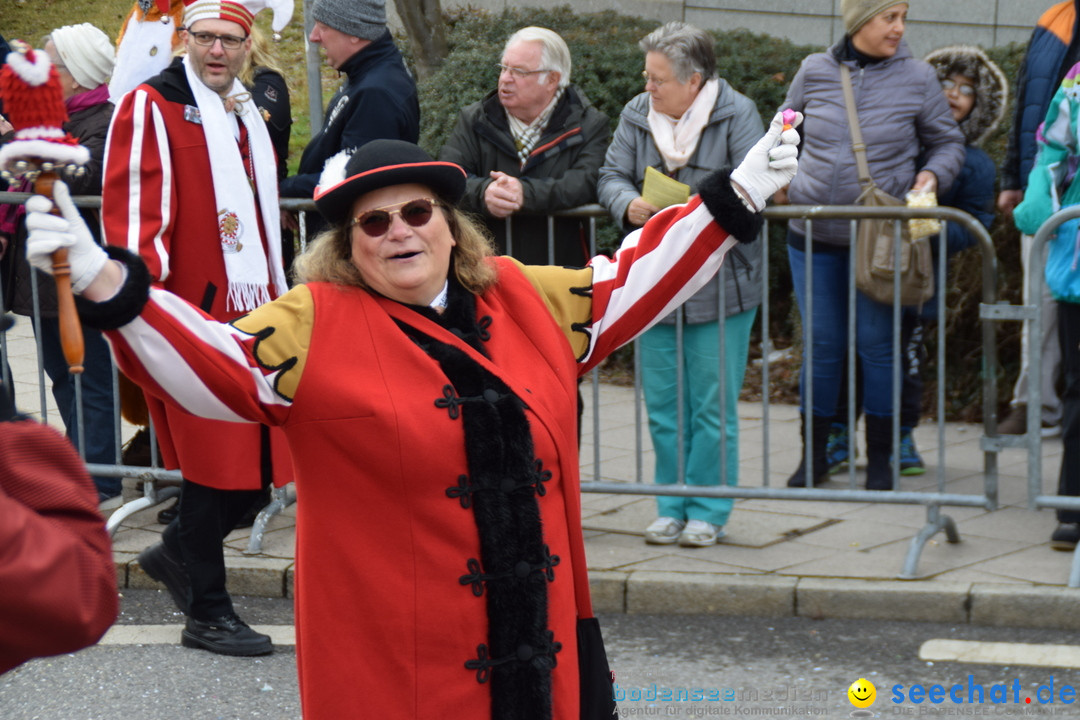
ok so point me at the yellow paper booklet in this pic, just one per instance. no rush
(662, 191)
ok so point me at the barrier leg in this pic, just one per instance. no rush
(152, 495)
(935, 523)
(280, 499)
(1074, 572)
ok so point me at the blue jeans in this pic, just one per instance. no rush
(700, 409)
(97, 397)
(873, 335)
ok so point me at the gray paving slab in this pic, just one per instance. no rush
(773, 559)
(1034, 564)
(693, 560)
(978, 575)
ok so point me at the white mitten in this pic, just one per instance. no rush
(771, 163)
(48, 233)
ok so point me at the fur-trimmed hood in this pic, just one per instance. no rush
(991, 87)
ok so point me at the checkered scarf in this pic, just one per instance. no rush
(526, 136)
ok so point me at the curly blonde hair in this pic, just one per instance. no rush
(329, 257)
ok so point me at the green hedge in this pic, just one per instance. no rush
(607, 62)
(607, 67)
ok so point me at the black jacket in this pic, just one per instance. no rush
(379, 101)
(560, 173)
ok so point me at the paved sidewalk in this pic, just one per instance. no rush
(780, 556)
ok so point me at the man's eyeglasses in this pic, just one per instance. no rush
(206, 39)
(376, 222)
(518, 73)
(652, 79)
(963, 88)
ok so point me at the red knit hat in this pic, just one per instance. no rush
(30, 89)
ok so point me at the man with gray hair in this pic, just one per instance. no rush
(377, 101)
(533, 145)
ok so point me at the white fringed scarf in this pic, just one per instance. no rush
(246, 265)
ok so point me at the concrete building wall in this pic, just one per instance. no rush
(931, 23)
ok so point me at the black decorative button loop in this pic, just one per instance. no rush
(482, 326)
(452, 401)
(543, 654)
(465, 487)
(521, 570)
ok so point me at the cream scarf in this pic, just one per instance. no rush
(677, 139)
(246, 265)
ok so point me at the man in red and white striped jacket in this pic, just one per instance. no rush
(207, 231)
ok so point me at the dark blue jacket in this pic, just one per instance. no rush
(378, 101)
(972, 192)
(1053, 49)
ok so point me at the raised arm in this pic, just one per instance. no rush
(246, 370)
(680, 248)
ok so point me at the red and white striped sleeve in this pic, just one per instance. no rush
(244, 371)
(138, 195)
(656, 269)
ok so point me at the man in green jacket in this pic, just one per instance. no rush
(532, 146)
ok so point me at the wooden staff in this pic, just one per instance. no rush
(31, 91)
(71, 337)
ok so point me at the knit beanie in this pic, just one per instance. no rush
(365, 19)
(86, 52)
(859, 12)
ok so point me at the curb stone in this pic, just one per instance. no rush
(882, 600)
(680, 593)
(1035, 606)
(701, 593)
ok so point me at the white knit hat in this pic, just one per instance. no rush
(86, 52)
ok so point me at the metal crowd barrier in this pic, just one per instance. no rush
(1032, 441)
(934, 500)
(159, 485)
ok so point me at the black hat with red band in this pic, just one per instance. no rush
(379, 164)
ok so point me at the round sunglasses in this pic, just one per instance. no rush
(376, 222)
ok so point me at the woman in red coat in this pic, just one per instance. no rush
(428, 393)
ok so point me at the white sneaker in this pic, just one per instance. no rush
(664, 531)
(699, 533)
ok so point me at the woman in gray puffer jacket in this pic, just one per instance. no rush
(686, 124)
(904, 119)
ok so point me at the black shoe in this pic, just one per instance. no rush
(819, 452)
(1065, 537)
(169, 514)
(162, 565)
(879, 469)
(226, 635)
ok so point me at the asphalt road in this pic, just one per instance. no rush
(665, 666)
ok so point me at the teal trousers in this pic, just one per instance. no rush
(700, 409)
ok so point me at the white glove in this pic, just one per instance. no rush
(48, 233)
(771, 163)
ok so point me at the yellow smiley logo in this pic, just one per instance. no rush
(862, 693)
